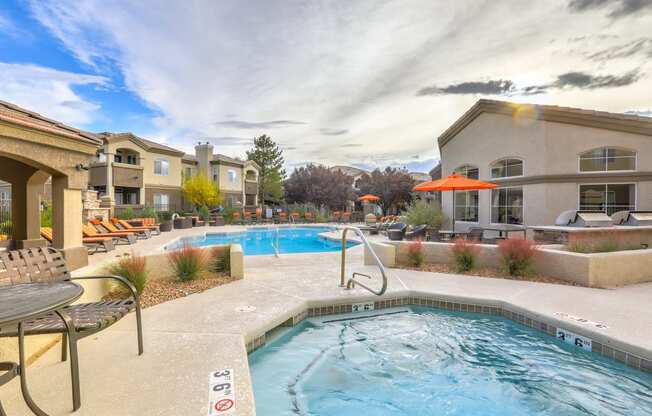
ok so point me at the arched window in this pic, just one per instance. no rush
(507, 168)
(469, 171)
(607, 159)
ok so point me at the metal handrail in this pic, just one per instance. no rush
(275, 247)
(352, 282)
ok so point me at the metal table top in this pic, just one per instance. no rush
(22, 302)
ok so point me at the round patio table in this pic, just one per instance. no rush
(25, 302)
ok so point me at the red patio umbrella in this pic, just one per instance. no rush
(454, 182)
(369, 197)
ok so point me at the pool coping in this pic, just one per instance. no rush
(606, 346)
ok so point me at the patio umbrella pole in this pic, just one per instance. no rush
(453, 212)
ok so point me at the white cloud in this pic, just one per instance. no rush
(49, 92)
(355, 66)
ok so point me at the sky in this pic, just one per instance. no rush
(361, 83)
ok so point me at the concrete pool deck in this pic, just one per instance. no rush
(187, 338)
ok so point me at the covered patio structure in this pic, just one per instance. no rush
(34, 149)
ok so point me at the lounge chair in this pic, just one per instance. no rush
(94, 243)
(248, 220)
(106, 225)
(396, 231)
(309, 217)
(237, 218)
(282, 217)
(296, 217)
(335, 216)
(45, 264)
(346, 217)
(122, 237)
(417, 233)
(125, 226)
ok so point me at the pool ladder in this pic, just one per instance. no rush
(350, 284)
(275, 246)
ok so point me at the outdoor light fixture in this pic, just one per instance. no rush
(81, 167)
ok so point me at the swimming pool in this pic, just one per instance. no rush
(421, 362)
(256, 241)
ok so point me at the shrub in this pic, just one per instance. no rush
(46, 214)
(415, 253)
(149, 212)
(133, 268)
(164, 216)
(204, 213)
(422, 212)
(227, 214)
(187, 262)
(220, 259)
(465, 253)
(517, 255)
(127, 214)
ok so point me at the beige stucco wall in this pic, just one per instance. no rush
(147, 159)
(224, 183)
(547, 148)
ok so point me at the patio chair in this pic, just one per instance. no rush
(309, 217)
(106, 225)
(296, 217)
(335, 216)
(237, 218)
(346, 217)
(125, 226)
(248, 218)
(282, 217)
(45, 264)
(396, 231)
(417, 233)
(94, 243)
(121, 237)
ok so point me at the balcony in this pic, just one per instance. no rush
(251, 188)
(126, 175)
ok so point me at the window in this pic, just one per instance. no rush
(466, 206)
(188, 173)
(507, 168)
(607, 159)
(117, 158)
(608, 198)
(233, 175)
(161, 202)
(101, 157)
(161, 167)
(507, 206)
(469, 171)
(132, 159)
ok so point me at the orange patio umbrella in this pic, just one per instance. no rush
(369, 197)
(454, 182)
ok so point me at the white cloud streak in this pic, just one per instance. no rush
(49, 92)
(352, 65)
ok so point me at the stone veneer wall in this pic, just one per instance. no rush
(92, 207)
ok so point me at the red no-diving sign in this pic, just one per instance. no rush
(224, 405)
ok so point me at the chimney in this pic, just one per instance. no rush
(204, 155)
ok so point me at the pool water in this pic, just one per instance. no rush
(255, 241)
(424, 362)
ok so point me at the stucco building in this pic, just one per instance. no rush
(545, 160)
(133, 172)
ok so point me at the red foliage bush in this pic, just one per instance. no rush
(465, 253)
(517, 255)
(415, 253)
(187, 262)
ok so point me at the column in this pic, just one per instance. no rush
(67, 222)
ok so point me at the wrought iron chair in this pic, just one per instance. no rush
(45, 264)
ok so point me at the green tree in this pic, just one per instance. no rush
(269, 158)
(200, 191)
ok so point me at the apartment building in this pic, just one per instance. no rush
(134, 172)
(545, 160)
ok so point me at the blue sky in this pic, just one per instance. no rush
(365, 83)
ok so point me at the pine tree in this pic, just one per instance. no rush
(269, 157)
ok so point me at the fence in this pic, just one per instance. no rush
(6, 226)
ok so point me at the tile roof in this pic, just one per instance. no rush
(147, 144)
(628, 123)
(18, 115)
